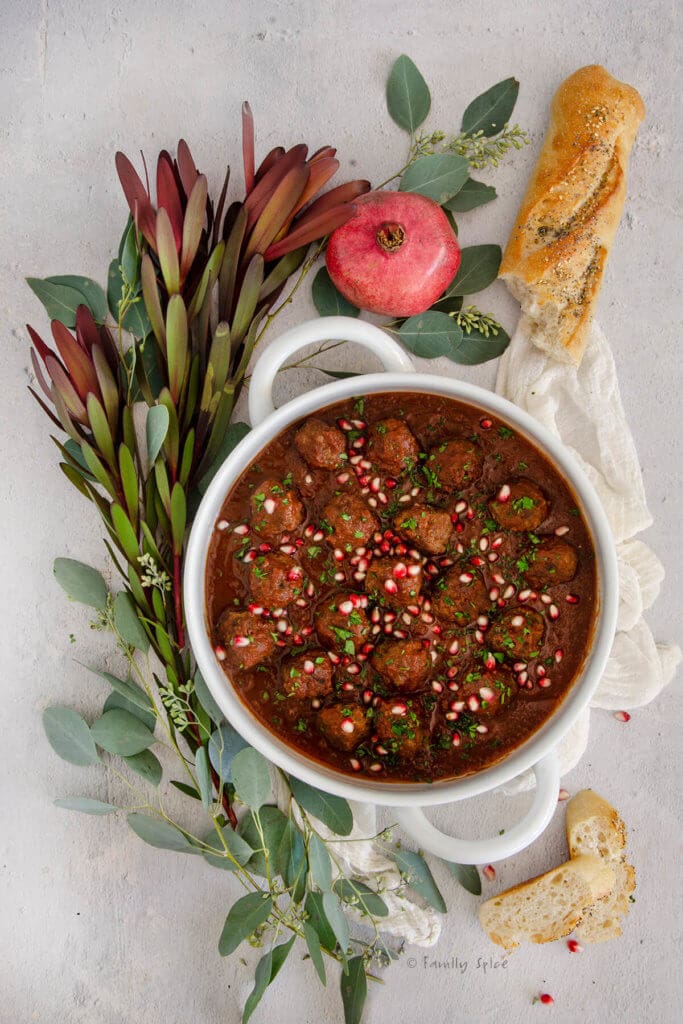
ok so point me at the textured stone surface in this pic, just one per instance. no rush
(95, 925)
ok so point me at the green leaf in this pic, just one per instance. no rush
(128, 624)
(156, 428)
(418, 876)
(237, 846)
(187, 790)
(327, 300)
(337, 919)
(280, 954)
(85, 805)
(358, 894)
(354, 990)
(273, 823)
(438, 177)
(147, 765)
(115, 700)
(319, 862)
(338, 374)
(333, 811)
(467, 875)
(313, 943)
(261, 983)
(429, 334)
(408, 99)
(225, 742)
(472, 194)
(204, 776)
(475, 348)
(76, 454)
(62, 295)
(159, 833)
(491, 111)
(129, 255)
(451, 304)
(132, 693)
(318, 921)
(119, 732)
(251, 777)
(135, 320)
(243, 918)
(478, 269)
(69, 736)
(81, 582)
(233, 436)
(291, 859)
(204, 697)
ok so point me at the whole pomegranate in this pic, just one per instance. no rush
(395, 256)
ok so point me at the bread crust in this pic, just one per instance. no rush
(558, 247)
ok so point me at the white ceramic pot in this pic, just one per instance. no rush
(409, 799)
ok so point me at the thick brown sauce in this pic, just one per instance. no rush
(536, 683)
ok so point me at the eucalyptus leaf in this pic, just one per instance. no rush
(438, 176)
(128, 624)
(314, 950)
(490, 112)
(479, 266)
(273, 824)
(63, 294)
(183, 787)
(467, 875)
(337, 920)
(85, 805)
(204, 776)
(414, 869)
(147, 765)
(261, 983)
(319, 863)
(156, 428)
(119, 732)
(291, 859)
(327, 300)
(69, 736)
(451, 304)
(338, 374)
(243, 918)
(81, 582)
(361, 896)
(76, 453)
(159, 833)
(233, 435)
(430, 334)
(225, 742)
(126, 688)
(472, 194)
(251, 778)
(354, 990)
(204, 697)
(238, 847)
(318, 920)
(115, 700)
(475, 347)
(408, 99)
(332, 810)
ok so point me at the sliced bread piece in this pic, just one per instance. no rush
(594, 826)
(547, 907)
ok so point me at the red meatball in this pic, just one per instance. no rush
(394, 582)
(519, 506)
(308, 675)
(401, 728)
(406, 664)
(275, 580)
(341, 630)
(246, 639)
(351, 520)
(344, 726)
(485, 693)
(457, 463)
(392, 446)
(517, 633)
(429, 529)
(275, 510)
(460, 596)
(320, 444)
(552, 561)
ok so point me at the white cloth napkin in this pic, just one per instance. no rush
(583, 408)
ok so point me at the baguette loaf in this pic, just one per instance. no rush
(593, 826)
(549, 906)
(556, 253)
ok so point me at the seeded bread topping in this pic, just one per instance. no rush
(411, 598)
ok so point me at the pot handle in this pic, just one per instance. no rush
(483, 851)
(326, 328)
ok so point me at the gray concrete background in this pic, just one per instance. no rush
(95, 925)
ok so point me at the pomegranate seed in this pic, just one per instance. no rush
(339, 577)
(414, 570)
(250, 555)
(492, 556)
(359, 424)
(496, 542)
(334, 658)
(473, 703)
(459, 528)
(367, 696)
(489, 872)
(220, 653)
(353, 669)
(517, 621)
(561, 531)
(456, 739)
(309, 667)
(347, 726)
(315, 703)
(470, 514)
(241, 641)
(345, 608)
(343, 477)
(390, 483)
(479, 636)
(437, 687)
(399, 708)
(451, 716)
(461, 506)
(546, 999)
(486, 424)
(490, 661)
(451, 674)
(466, 577)
(503, 494)
(559, 654)
(522, 678)
(524, 595)
(355, 460)
(500, 580)
(483, 543)
(482, 728)
(414, 491)
(454, 647)
(554, 612)
(544, 682)
(269, 506)
(540, 671)
(519, 666)
(494, 594)
(308, 479)
(242, 530)
(622, 716)
(476, 560)
(572, 598)
(563, 795)
(391, 586)
(375, 485)
(339, 555)
(483, 621)
(255, 609)
(307, 630)
(376, 767)
(509, 591)
(372, 502)
(223, 524)
(573, 946)
(344, 424)
(318, 535)
(399, 571)
(486, 693)
(404, 498)
(355, 764)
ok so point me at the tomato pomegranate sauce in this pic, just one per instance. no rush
(401, 586)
